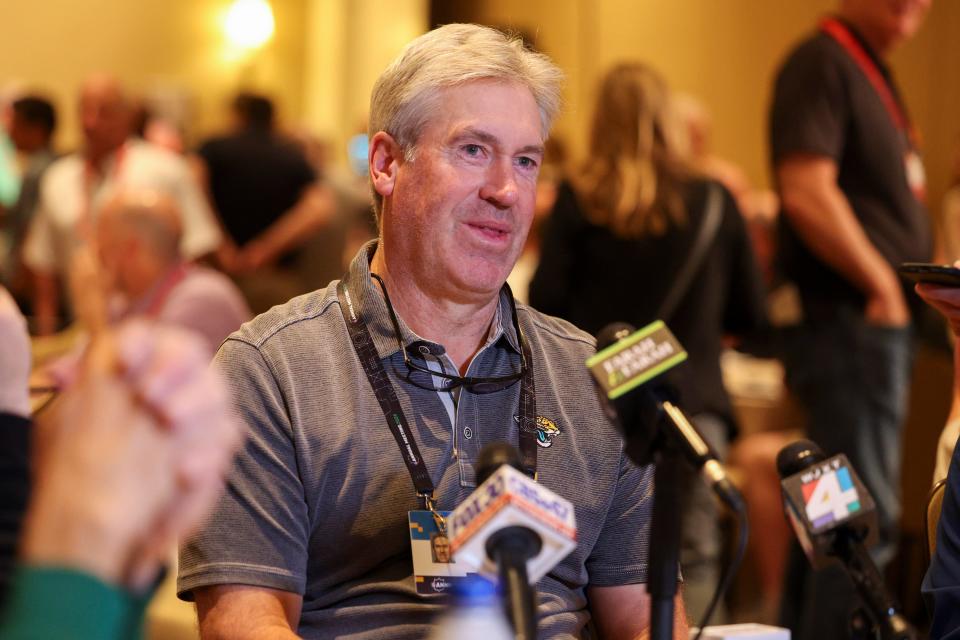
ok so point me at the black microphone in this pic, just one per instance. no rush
(512, 547)
(630, 368)
(834, 517)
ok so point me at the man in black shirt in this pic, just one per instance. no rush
(32, 124)
(265, 194)
(851, 183)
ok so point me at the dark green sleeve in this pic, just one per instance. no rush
(47, 602)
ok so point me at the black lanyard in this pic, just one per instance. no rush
(393, 412)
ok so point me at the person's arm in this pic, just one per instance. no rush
(623, 612)
(266, 544)
(821, 215)
(46, 302)
(15, 347)
(946, 300)
(745, 307)
(144, 437)
(202, 232)
(86, 607)
(941, 585)
(618, 565)
(227, 253)
(39, 255)
(240, 612)
(129, 459)
(298, 224)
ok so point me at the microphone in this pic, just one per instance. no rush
(834, 518)
(513, 528)
(628, 367)
(822, 496)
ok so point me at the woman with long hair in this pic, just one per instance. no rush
(638, 236)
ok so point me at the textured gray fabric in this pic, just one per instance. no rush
(318, 501)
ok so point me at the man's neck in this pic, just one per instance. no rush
(144, 277)
(460, 326)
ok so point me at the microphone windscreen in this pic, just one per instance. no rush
(613, 333)
(797, 456)
(493, 456)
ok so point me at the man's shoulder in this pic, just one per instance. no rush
(308, 314)
(815, 54)
(557, 337)
(207, 285)
(63, 170)
(199, 276)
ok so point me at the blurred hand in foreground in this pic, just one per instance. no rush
(944, 299)
(14, 358)
(130, 457)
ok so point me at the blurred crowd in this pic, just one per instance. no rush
(255, 203)
(132, 258)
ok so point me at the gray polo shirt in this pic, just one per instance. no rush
(318, 500)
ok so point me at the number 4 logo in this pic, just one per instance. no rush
(830, 498)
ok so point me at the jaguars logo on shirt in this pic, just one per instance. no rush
(547, 430)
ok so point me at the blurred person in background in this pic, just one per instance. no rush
(638, 213)
(14, 433)
(553, 172)
(267, 199)
(325, 256)
(852, 188)
(157, 129)
(951, 234)
(138, 239)
(33, 121)
(950, 216)
(74, 188)
(698, 123)
(9, 172)
(126, 461)
(758, 206)
(941, 585)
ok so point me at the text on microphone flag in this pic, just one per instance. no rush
(636, 359)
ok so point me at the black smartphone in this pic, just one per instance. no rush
(941, 274)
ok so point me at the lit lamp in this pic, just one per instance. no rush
(249, 24)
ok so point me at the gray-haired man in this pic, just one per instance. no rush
(321, 530)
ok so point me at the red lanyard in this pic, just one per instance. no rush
(164, 288)
(841, 33)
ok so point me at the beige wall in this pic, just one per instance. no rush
(726, 53)
(349, 43)
(326, 54)
(927, 69)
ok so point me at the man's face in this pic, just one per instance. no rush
(459, 212)
(105, 118)
(441, 549)
(896, 20)
(25, 137)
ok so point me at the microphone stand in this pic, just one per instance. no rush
(869, 584)
(511, 548)
(665, 540)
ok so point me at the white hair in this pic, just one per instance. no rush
(405, 95)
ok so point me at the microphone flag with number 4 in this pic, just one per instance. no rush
(823, 497)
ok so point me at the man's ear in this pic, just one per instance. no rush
(384, 158)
